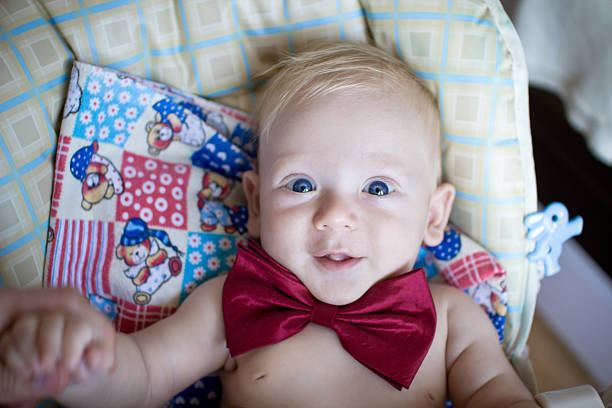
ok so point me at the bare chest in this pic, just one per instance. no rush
(311, 369)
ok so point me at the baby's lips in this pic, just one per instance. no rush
(337, 257)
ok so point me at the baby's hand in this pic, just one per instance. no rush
(55, 338)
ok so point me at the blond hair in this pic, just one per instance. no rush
(328, 68)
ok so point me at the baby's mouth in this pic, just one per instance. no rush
(337, 261)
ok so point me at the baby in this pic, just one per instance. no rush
(323, 310)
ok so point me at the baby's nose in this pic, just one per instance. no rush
(335, 212)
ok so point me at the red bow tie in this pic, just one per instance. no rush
(389, 329)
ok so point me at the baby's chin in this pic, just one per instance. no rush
(337, 295)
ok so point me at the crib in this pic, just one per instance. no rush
(465, 51)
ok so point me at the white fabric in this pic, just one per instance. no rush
(568, 47)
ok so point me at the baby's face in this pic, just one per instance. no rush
(344, 192)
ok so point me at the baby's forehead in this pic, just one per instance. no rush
(404, 115)
(410, 106)
(399, 115)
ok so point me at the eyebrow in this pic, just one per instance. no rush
(392, 165)
(288, 158)
(287, 161)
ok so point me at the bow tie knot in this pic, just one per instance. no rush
(323, 313)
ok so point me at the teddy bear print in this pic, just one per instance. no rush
(491, 294)
(215, 188)
(99, 177)
(149, 266)
(173, 122)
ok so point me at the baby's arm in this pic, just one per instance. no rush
(478, 371)
(154, 364)
(160, 361)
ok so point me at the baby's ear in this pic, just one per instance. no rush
(250, 183)
(440, 207)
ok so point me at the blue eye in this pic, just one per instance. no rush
(378, 188)
(301, 185)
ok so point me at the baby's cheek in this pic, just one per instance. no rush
(285, 200)
(283, 214)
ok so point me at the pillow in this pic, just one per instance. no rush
(134, 225)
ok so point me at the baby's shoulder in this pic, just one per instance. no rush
(454, 306)
(455, 311)
(447, 296)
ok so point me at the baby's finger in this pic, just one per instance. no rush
(11, 389)
(100, 352)
(15, 302)
(18, 391)
(76, 337)
(93, 359)
(11, 358)
(24, 332)
(104, 344)
(50, 342)
(90, 366)
(99, 357)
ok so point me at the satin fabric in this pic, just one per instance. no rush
(389, 329)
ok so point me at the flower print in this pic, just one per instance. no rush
(119, 124)
(124, 97)
(90, 132)
(85, 117)
(214, 263)
(97, 71)
(131, 127)
(113, 110)
(241, 240)
(194, 241)
(125, 82)
(198, 273)
(225, 244)
(94, 104)
(131, 112)
(195, 258)
(208, 247)
(104, 132)
(109, 79)
(190, 287)
(93, 87)
(108, 96)
(119, 138)
(101, 117)
(230, 259)
(144, 99)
